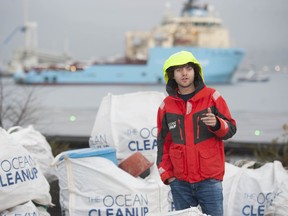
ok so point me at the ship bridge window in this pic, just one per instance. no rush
(205, 24)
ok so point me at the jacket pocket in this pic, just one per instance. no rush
(210, 163)
(201, 131)
(178, 161)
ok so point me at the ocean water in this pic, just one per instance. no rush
(259, 108)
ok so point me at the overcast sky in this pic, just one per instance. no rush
(96, 28)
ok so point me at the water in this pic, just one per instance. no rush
(260, 108)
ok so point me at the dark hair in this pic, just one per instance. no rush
(197, 77)
(170, 72)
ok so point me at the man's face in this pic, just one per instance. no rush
(184, 76)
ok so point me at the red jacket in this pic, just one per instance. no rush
(187, 148)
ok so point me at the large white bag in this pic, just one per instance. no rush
(37, 146)
(192, 211)
(96, 186)
(252, 191)
(21, 180)
(128, 123)
(27, 209)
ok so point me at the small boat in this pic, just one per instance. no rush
(196, 29)
(253, 76)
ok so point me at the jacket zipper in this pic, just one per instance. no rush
(180, 129)
(198, 127)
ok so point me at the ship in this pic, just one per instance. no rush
(196, 29)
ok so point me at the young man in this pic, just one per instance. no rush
(192, 121)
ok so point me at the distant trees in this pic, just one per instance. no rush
(18, 106)
(277, 150)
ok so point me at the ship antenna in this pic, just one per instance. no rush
(187, 7)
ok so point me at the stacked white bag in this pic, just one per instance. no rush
(37, 146)
(21, 179)
(128, 123)
(255, 191)
(27, 209)
(96, 186)
(192, 211)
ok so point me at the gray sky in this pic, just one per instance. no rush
(96, 28)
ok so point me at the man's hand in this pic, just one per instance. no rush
(209, 118)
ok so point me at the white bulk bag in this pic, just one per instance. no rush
(279, 206)
(128, 122)
(37, 146)
(96, 186)
(21, 180)
(26, 209)
(252, 191)
(192, 211)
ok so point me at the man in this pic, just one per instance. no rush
(192, 121)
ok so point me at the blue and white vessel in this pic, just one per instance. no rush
(196, 30)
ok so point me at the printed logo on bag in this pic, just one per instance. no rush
(17, 170)
(98, 141)
(120, 204)
(256, 203)
(144, 139)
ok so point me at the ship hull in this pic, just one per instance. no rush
(219, 66)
